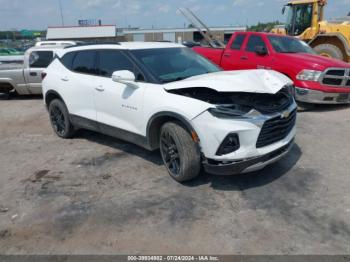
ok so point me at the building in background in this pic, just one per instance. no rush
(83, 33)
(179, 34)
(111, 33)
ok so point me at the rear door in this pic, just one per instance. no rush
(252, 60)
(77, 84)
(38, 61)
(118, 105)
(231, 57)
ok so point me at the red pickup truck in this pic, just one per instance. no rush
(317, 79)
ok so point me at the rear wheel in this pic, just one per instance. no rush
(329, 50)
(179, 152)
(59, 118)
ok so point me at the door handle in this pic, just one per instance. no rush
(227, 54)
(65, 79)
(33, 74)
(100, 88)
(244, 58)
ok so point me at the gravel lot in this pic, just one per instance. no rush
(97, 195)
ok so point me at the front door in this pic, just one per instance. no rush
(118, 105)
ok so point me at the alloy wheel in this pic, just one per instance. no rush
(170, 153)
(58, 120)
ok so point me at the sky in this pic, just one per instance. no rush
(39, 14)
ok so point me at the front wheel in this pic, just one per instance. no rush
(59, 118)
(179, 152)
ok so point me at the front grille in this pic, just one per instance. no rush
(336, 77)
(276, 129)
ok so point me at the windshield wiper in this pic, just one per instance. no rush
(175, 79)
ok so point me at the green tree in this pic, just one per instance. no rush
(263, 27)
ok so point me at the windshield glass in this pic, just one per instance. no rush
(173, 64)
(289, 45)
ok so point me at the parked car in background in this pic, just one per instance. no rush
(25, 78)
(13, 51)
(4, 51)
(163, 95)
(10, 52)
(317, 79)
(8, 55)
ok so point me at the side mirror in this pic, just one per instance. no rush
(283, 10)
(123, 76)
(261, 50)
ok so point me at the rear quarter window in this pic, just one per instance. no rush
(67, 60)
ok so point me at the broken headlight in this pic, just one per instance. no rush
(229, 111)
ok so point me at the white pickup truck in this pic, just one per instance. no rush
(25, 78)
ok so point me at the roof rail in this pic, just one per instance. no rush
(54, 43)
(90, 44)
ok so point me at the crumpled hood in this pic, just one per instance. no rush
(250, 81)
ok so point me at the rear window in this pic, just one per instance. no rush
(84, 62)
(40, 59)
(237, 43)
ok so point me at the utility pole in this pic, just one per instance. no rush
(61, 11)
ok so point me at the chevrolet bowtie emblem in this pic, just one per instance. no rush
(285, 114)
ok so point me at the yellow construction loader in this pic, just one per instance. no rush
(306, 21)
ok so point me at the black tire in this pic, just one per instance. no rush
(180, 153)
(329, 50)
(5, 96)
(13, 94)
(59, 118)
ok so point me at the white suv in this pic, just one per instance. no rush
(164, 96)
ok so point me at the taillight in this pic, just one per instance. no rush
(43, 75)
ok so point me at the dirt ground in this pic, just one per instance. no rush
(97, 195)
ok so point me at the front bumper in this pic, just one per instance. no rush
(247, 165)
(319, 97)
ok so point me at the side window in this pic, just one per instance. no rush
(237, 43)
(112, 60)
(253, 42)
(67, 60)
(84, 62)
(40, 59)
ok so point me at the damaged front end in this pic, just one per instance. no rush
(240, 104)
